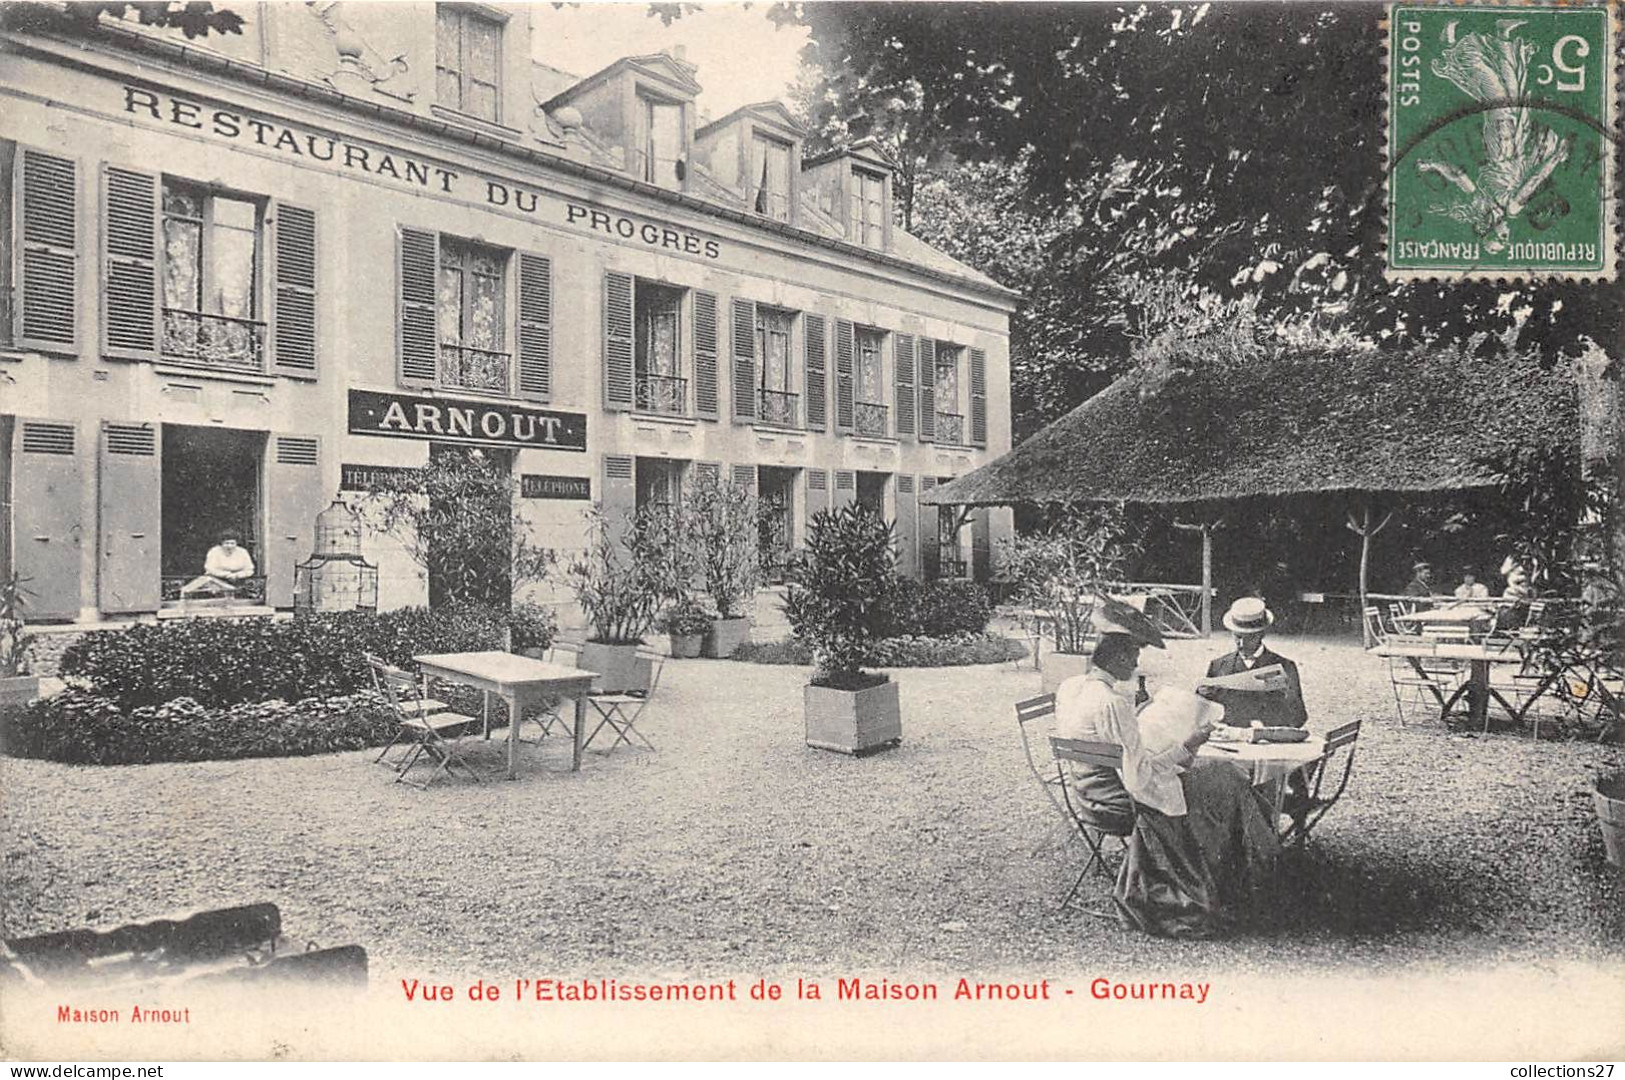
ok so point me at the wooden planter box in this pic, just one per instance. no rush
(19, 689)
(726, 635)
(1060, 666)
(853, 721)
(619, 667)
(686, 646)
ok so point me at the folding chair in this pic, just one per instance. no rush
(436, 736)
(419, 704)
(1307, 810)
(1428, 681)
(620, 712)
(1094, 827)
(549, 720)
(1042, 708)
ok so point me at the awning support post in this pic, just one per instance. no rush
(1206, 529)
(1366, 531)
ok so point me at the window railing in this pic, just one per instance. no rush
(664, 394)
(950, 561)
(951, 429)
(869, 418)
(467, 368)
(173, 589)
(779, 408)
(217, 341)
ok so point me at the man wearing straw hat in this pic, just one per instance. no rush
(1249, 619)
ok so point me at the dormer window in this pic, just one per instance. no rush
(770, 178)
(663, 143)
(866, 221)
(468, 61)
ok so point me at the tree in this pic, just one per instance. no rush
(194, 18)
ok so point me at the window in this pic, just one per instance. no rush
(770, 177)
(662, 143)
(950, 422)
(658, 364)
(777, 404)
(866, 223)
(211, 259)
(470, 313)
(467, 61)
(869, 415)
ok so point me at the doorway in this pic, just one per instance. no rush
(211, 484)
(470, 544)
(775, 517)
(872, 492)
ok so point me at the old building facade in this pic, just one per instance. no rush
(243, 276)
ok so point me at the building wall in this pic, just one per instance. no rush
(103, 109)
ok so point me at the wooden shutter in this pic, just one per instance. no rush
(707, 397)
(927, 527)
(619, 359)
(817, 493)
(293, 274)
(129, 263)
(908, 536)
(620, 499)
(129, 573)
(48, 267)
(419, 333)
(843, 375)
(46, 486)
(817, 376)
(744, 360)
(928, 390)
(295, 495)
(744, 476)
(978, 397)
(535, 354)
(846, 488)
(707, 472)
(905, 383)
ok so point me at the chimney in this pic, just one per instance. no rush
(680, 53)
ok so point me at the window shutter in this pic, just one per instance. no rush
(927, 527)
(817, 493)
(905, 383)
(928, 390)
(48, 271)
(618, 346)
(293, 272)
(129, 496)
(817, 377)
(744, 476)
(846, 488)
(978, 397)
(908, 544)
(843, 375)
(46, 523)
(129, 264)
(707, 400)
(619, 501)
(744, 360)
(535, 339)
(707, 472)
(295, 495)
(419, 284)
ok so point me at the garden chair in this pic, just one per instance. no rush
(1094, 827)
(419, 704)
(1034, 710)
(549, 719)
(1307, 809)
(1428, 682)
(621, 712)
(435, 736)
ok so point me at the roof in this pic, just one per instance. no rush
(1287, 423)
(677, 74)
(767, 110)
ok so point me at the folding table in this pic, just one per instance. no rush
(519, 681)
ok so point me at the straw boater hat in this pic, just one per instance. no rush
(1248, 615)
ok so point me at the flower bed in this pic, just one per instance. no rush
(960, 650)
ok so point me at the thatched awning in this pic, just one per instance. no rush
(1287, 424)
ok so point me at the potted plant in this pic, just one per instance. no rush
(686, 623)
(620, 581)
(15, 686)
(835, 600)
(1057, 575)
(720, 529)
(531, 629)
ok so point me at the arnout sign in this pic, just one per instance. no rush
(406, 416)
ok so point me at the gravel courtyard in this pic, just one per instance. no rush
(736, 849)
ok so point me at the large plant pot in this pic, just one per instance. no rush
(853, 721)
(1061, 666)
(619, 667)
(686, 646)
(19, 689)
(726, 635)
(1609, 797)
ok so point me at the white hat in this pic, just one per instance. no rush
(1248, 616)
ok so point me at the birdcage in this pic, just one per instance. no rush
(336, 577)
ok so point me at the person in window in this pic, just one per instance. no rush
(224, 567)
(1471, 588)
(1202, 839)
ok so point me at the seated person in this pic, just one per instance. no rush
(1471, 588)
(225, 565)
(1514, 615)
(1201, 838)
(1249, 618)
(1421, 583)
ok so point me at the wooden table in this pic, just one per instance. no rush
(519, 681)
(1266, 763)
(1477, 688)
(1457, 616)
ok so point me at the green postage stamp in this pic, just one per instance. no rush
(1502, 137)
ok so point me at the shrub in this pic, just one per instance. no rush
(83, 728)
(687, 617)
(630, 566)
(934, 609)
(1062, 571)
(719, 523)
(224, 662)
(960, 650)
(837, 586)
(532, 626)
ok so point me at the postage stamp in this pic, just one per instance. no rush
(1502, 137)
